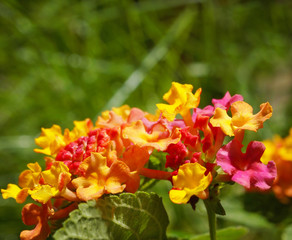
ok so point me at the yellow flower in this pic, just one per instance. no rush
(279, 150)
(122, 111)
(285, 151)
(268, 154)
(242, 117)
(190, 180)
(52, 140)
(81, 128)
(55, 181)
(42, 186)
(13, 191)
(181, 100)
(28, 180)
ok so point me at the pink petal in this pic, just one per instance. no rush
(226, 101)
(246, 168)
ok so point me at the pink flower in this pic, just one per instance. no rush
(223, 103)
(226, 101)
(246, 168)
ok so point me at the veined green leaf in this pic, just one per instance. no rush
(124, 217)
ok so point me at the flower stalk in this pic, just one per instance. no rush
(211, 218)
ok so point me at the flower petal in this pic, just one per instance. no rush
(57, 176)
(246, 168)
(51, 140)
(33, 214)
(222, 120)
(191, 180)
(158, 139)
(180, 99)
(13, 191)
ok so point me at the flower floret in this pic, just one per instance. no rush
(190, 180)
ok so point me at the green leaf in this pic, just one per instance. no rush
(217, 207)
(230, 233)
(124, 217)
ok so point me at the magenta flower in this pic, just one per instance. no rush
(246, 168)
(226, 101)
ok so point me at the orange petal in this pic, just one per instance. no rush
(136, 157)
(157, 139)
(33, 214)
(88, 188)
(117, 176)
(243, 118)
(30, 178)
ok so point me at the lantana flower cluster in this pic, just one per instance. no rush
(279, 150)
(203, 148)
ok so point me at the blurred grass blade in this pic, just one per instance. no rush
(155, 55)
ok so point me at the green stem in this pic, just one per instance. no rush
(211, 219)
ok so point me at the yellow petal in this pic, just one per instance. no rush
(269, 152)
(243, 118)
(96, 163)
(57, 176)
(51, 140)
(43, 193)
(285, 151)
(182, 93)
(190, 180)
(222, 120)
(81, 129)
(34, 167)
(13, 191)
(179, 196)
(28, 179)
(168, 111)
(180, 99)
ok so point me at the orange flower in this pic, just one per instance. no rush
(100, 179)
(242, 118)
(135, 158)
(280, 150)
(159, 138)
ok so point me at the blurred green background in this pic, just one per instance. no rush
(62, 61)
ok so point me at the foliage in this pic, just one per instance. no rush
(127, 216)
